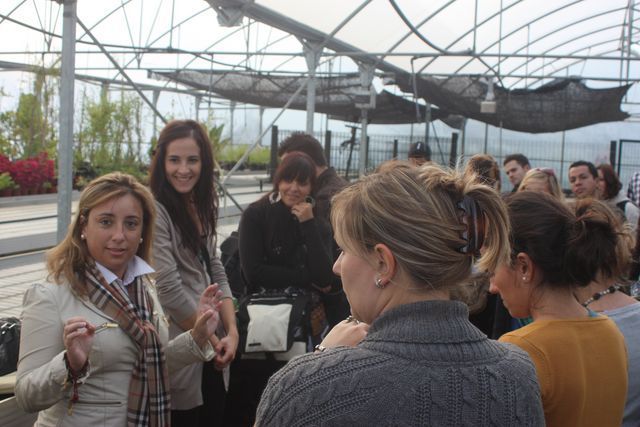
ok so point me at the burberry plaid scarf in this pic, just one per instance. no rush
(148, 403)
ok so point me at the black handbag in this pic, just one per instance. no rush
(272, 320)
(9, 344)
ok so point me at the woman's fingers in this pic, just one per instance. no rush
(211, 290)
(77, 326)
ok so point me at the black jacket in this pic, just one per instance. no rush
(277, 251)
(327, 185)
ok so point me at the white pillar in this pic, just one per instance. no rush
(65, 148)
(312, 51)
(365, 100)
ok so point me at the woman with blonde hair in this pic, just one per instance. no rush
(409, 237)
(542, 180)
(486, 170)
(94, 348)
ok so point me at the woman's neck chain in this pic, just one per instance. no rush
(595, 297)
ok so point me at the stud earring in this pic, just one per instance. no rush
(141, 239)
(82, 237)
(379, 284)
(524, 278)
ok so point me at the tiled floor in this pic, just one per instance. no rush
(13, 284)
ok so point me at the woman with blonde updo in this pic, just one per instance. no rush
(409, 237)
(486, 170)
(542, 180)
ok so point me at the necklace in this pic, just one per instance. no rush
(595, 297)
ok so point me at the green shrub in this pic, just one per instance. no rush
(6, 182)
(258, 159)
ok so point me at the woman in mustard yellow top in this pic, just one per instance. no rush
(580, 356)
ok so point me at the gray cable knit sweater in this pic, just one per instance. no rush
(422, 364)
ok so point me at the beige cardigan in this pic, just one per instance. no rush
(103, 396)
(181, 278)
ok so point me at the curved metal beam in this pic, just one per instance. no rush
(517, 29)
(420, 24)
(577, 61)
(13, 10)
(590, 33)
(580, 21)
(473, 28)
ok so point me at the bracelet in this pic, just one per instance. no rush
(74, 377)
(319, 348)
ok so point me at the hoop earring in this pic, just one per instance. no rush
(274, 197)
(379, 284)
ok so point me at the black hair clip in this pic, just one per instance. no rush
(473, 220)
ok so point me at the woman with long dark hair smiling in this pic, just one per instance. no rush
(182, 181)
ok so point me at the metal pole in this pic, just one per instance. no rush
(65, 148)
(232, 108)
(562, 159)
(312, 51)
(156, 96)
(273, 155)
(198, 100)
(260, 124)
(464, 137)
(612, 155)
(453, 154)
(427, 122)
(500, 146)
(327, 147)
(362, 163)
(486, 138)
(629, 40)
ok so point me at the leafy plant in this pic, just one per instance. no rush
(258, 159)
(30, 129)
(6, 182)
(110, 136)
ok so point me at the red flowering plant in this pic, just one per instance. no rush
(30, 174)
(5, 164)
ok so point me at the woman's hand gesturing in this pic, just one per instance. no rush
(208, 315)
(77, 337)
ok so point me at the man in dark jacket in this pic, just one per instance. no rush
(328, 183)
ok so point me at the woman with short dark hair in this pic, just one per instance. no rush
(282, 246)
(610, 189)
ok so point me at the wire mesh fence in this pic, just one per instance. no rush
(344, 149)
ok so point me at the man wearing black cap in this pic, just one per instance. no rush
(419, 153)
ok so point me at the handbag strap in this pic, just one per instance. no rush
(207, 259)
